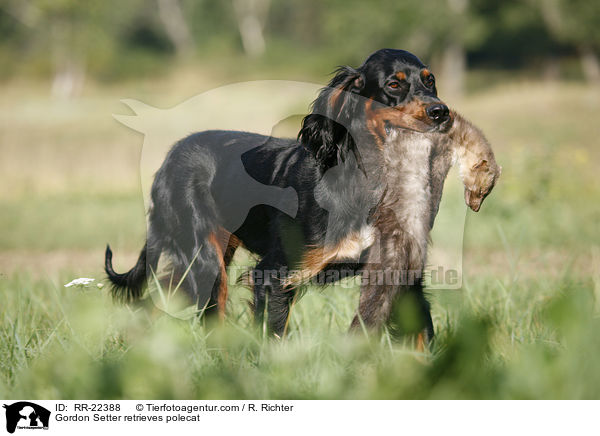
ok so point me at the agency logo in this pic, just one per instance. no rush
(26, 415)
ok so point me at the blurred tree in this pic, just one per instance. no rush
(172, 17)
(454, 58)
(251, 17)
(576, 22)
(439, 31)
(72, 33)
(112, 38)
(456, 27)
(299, 21)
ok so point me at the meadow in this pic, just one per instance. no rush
(524, 324)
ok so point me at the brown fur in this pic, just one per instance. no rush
(315, 259)
(400, 75)
(232, 244)
(418, 165)
(420, 346)
(402, 222)
(478, 167)
(411, 116)
(466, 145)
(401, 238)
(215, 241)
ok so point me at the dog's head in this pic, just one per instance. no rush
(403, 93)
(392, 89)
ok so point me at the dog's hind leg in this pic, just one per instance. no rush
(224, 254)
(154, 247)
(200, 268)
(197, 255)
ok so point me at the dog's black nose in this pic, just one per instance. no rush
(438, 112)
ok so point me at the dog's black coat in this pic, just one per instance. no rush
(279, 202)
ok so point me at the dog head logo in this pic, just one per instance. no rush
(254, 106)
(26, 415)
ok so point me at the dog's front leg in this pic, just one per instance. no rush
(392, 290)
(269, 294)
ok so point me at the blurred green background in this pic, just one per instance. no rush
(525, 323)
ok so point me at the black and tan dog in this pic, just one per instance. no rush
(366, 171)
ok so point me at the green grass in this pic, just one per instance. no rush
(72, 221)
(524, 324)
(530, 339)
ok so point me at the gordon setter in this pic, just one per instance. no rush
(354, 192)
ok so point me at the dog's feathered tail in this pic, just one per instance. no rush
(128, 286)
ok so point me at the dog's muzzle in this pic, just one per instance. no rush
(440, 115)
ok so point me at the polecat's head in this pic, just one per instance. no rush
(479, 181)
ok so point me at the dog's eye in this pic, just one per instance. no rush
(429, 81)
(394, 84)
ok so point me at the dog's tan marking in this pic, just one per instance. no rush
(315, 259)
(233, 242)
(412, 116)
(421, 342)
(401, 75)
(376, 128)
(335, 95)
(213, 239)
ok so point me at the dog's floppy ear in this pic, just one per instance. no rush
(325, 130)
